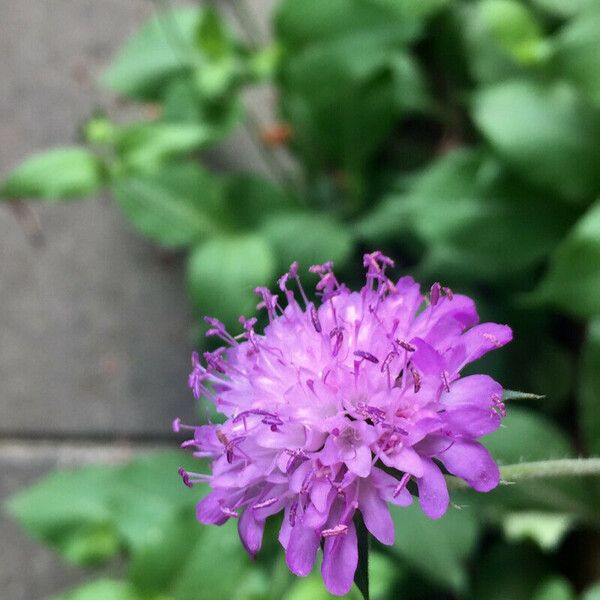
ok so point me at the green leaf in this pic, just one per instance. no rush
(215, 567)
(213, 38)
(572, 281)
(308, 238)
(577, 53)
(545, 528)
(344, 71)
(475, 219)
(249, 200)
(438, 550)
(146, 146)
(555, 588)
(223, 272)
(589, 389)
(163, 48)
(592, 593)
(177, 206)
(304, 24)
(90, 513)
(102, 589)
(561, 8)
(58, 174)
(509, 571)
(361, 576)
(519, 118)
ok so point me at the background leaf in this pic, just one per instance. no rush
(176, 206)
(589, 389)
(223, 272)
(57, 174)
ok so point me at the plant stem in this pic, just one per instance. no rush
(543, 469)
(361, 577)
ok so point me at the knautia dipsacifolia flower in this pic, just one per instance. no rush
(341, 408)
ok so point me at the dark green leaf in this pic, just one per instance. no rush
(589, 389)
(509, 571)
(223, 272)
(573, 278)
(477, 221)
(592, 593)
(249, 200)
(437, 549)
(547, 134)
(58, 174)
(103, 589)
(302, 24)
(161, 49)
(577, 53)
(308, 238)
(175, 207)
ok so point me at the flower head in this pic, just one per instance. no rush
(344, 407)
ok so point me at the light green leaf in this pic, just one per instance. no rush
(572, 281)
(555, 588)
(577, 53)
(592, 593)
(223, 272)
(57, 174)
(437, 549)
(103, 589)
(177, 206)
(146, 146)
(213, 38)
(561, 8)
(545, 528)
(520, 118)
(589, 389)
(308, 238)
(163, 48)
(90, 513)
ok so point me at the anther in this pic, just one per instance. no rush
(403, 483)
(340, 529)
(434, 294)
(265, 503)
(366, 355)
(408, 347)
(314, 315)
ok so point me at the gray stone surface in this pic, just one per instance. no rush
(95, 328)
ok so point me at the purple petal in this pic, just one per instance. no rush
(251, 532)
(476, 390)
(209, 510)
(359, 460)
(375, 513)
(387, 486)
(340, 558)
(407, 461)
(479, 341)
(302, 549)
(472, 421)
(433, 492)
(319, 494)
(473, 463)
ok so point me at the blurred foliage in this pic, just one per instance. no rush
(461, 137)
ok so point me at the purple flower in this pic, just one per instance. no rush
(344, 407)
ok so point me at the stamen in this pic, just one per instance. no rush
(388, 359)
(340, 529)
(403, 483)
(366, 355)
(314, 315)
(449, 293)
(434, 293)
(338, 333)
(265, 503)
(445, 376)
(408, 347)
(416, 378)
